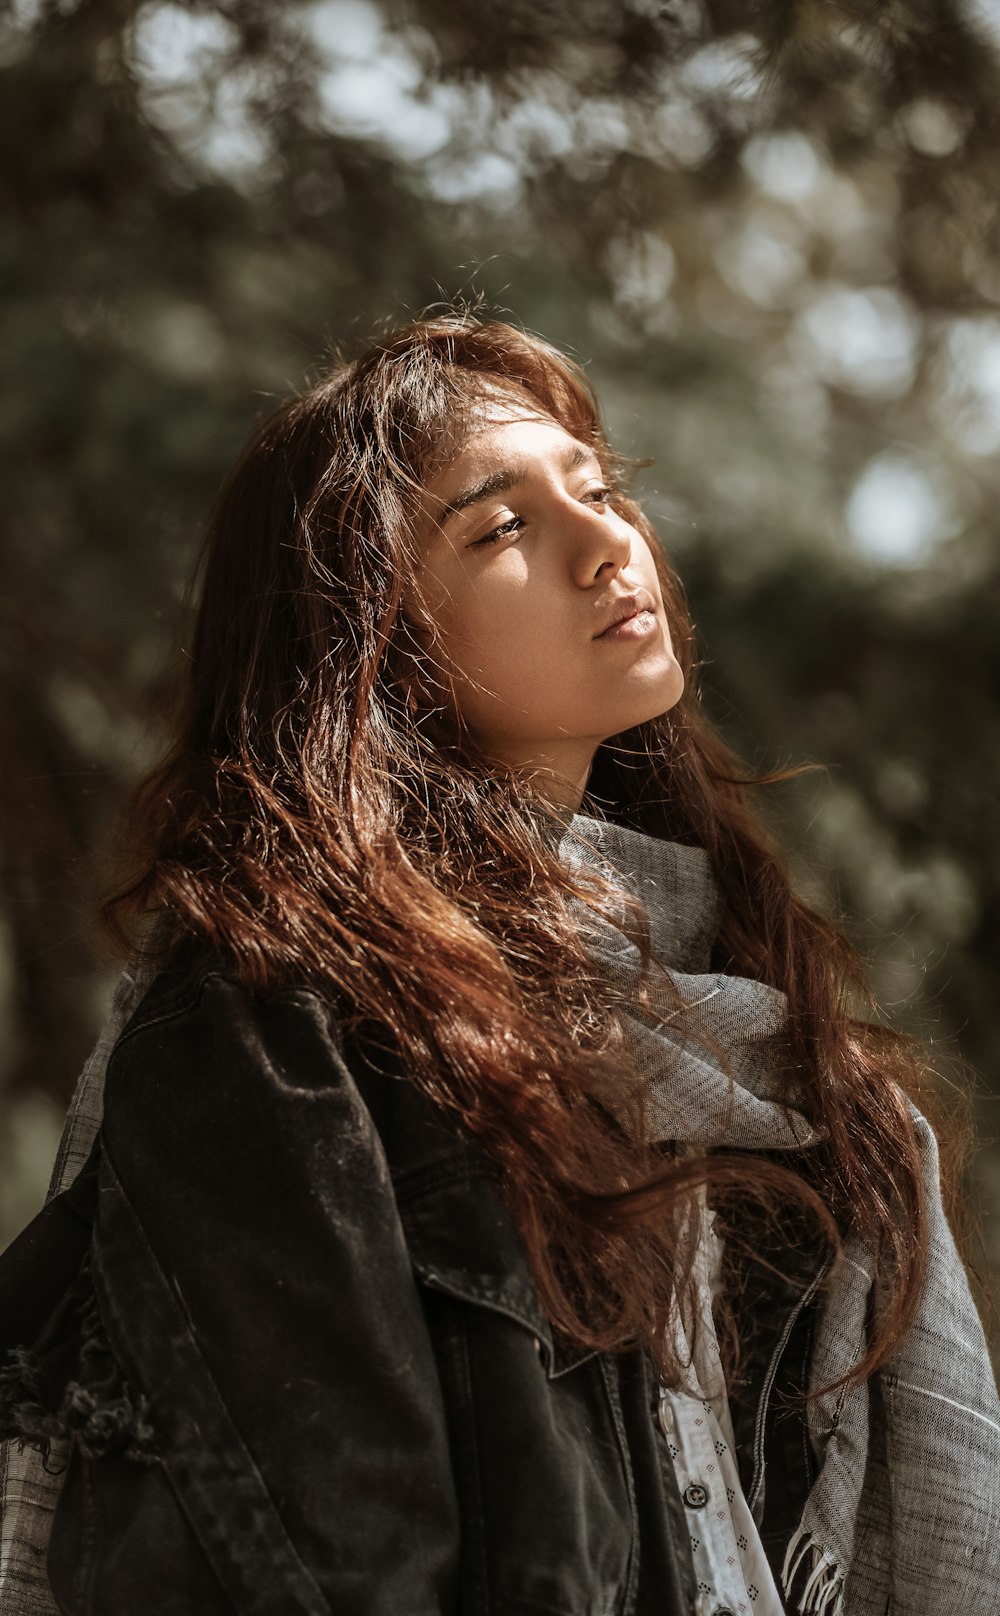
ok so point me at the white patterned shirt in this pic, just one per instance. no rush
(731, 1569)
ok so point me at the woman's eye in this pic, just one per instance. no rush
(498, 533)
(599, 496)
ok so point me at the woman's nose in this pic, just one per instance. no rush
(601, 540)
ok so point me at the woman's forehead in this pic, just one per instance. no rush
(493, 435)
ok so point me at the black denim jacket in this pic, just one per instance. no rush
(289, 1326)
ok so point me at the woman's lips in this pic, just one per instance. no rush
(633, 628)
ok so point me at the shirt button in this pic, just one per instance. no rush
(723, 1610)
(695, 1496)
(666, 1417)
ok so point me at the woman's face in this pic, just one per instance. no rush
(524, 564)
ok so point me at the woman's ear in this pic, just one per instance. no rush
(424, 687)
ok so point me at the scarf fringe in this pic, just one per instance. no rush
(823, 1594)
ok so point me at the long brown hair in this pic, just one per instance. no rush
(312, 819)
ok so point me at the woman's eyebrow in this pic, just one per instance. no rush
(505, 477)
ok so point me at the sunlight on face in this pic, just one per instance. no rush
(524, 564)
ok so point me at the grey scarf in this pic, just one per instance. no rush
(904, 1517)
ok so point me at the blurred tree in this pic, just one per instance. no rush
(772, 235)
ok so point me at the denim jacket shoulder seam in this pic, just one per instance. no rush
(413, 1183)
(192, 999)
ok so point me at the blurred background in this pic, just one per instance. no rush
(771, 233)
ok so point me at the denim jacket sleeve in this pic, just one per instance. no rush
(254, 1283)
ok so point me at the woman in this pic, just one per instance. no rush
(487, 1194)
